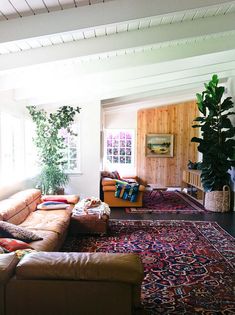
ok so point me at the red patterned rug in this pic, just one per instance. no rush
(189, 266)
(169, 201)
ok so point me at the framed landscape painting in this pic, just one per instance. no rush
(159, 145)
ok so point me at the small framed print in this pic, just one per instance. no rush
(159, 145)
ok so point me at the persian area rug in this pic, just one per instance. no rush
(189, 266)
(168, 202)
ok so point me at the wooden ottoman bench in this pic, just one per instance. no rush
(90, 216)
(88, 224)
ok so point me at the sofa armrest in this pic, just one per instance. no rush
(8, 263)
(106, 181)
(126, 268)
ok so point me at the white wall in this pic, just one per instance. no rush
(120, 119)
(86, 184)
(8, 104)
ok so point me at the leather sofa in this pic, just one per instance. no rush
(109, 187)
(50, 282)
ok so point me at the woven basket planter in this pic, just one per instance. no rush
(218, 201)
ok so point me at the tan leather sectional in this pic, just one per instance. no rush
(50, 282)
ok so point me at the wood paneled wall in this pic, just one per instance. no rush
(175, 119)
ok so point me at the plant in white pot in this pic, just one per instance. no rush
(50, 143)
(216, 144)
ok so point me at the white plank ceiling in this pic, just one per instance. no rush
(121, 57)
(10, 9)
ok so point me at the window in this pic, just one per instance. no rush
(119, 146)
(31, 159)
(17, 151)
(12, 148)
(72, 153)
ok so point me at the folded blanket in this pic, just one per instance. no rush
(126, 191)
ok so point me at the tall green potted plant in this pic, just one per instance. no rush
(51, 145)
(216, 144)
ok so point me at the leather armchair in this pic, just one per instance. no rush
(109, 188)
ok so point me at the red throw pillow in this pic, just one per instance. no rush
(11, 244)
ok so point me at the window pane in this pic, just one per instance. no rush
(122, 160)
(73, 153)
(115, 159)
(73, 164)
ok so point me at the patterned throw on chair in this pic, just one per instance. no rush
(126, 191)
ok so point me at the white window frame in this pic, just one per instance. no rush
(78, 148)
(111, 166)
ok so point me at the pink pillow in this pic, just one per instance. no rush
(61, 198)
(55, 198)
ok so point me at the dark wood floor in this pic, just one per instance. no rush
(225, 220)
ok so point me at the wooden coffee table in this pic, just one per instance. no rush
(156, 189)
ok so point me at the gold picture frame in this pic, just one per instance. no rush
(159, 145)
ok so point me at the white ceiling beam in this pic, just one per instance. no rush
(148, 91)
(211, 26)
(82, 90)
(96, 15)
(111, 81)
(139, 65)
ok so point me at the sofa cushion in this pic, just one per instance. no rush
(10, 207)
(14, 231)
(119, 267)
(53, 220)
(48, 244)
(20, 216)
(32, 197)
(12, 244)
(7, 266)
(27, 195)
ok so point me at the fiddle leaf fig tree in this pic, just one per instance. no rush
(216, 143)
(51, 145)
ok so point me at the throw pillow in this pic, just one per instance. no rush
(52, 205)
(116, 175)
(56, 199)
(14, 231)
(107, 174)
(11, 244)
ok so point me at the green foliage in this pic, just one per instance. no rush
(50, 144)
(216, 144)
